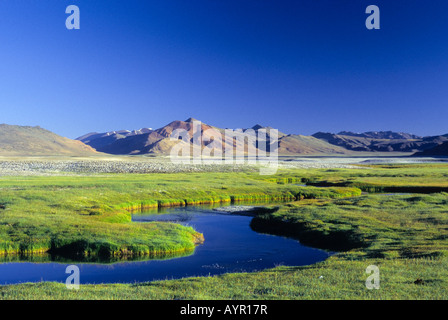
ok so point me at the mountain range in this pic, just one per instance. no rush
(386, 141)
(146, 141)
(31, 141)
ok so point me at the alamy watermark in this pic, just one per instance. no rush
(73, 20)
(72, 281)
(373, 281)
(373, 20)
(200, 144)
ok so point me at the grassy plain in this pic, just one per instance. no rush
(89, 216)
(405, 235)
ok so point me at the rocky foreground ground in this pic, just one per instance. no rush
(88, 166)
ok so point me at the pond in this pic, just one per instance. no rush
(230, 246)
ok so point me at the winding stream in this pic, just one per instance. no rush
(230, 246)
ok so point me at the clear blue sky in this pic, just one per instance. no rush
(299, 66)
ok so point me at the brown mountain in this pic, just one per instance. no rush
(158, 141)
(146, 141)
(141, 141)
(298, 144)
(35, 141)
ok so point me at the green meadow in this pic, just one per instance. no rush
(404, 233)
(90, 216)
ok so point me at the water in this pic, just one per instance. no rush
(230, 246)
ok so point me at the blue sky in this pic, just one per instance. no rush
(298, 66)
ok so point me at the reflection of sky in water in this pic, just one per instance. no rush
(230, 246)
(172, 217)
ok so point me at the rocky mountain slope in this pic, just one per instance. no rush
(147, 141)
(381, 141)
(158, 141)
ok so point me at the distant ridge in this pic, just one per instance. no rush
(147, 140)
(381, 135)
(158, 141)
(439, 150)
(35, 141)
(383, 141)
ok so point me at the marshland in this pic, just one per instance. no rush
(387, 214)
